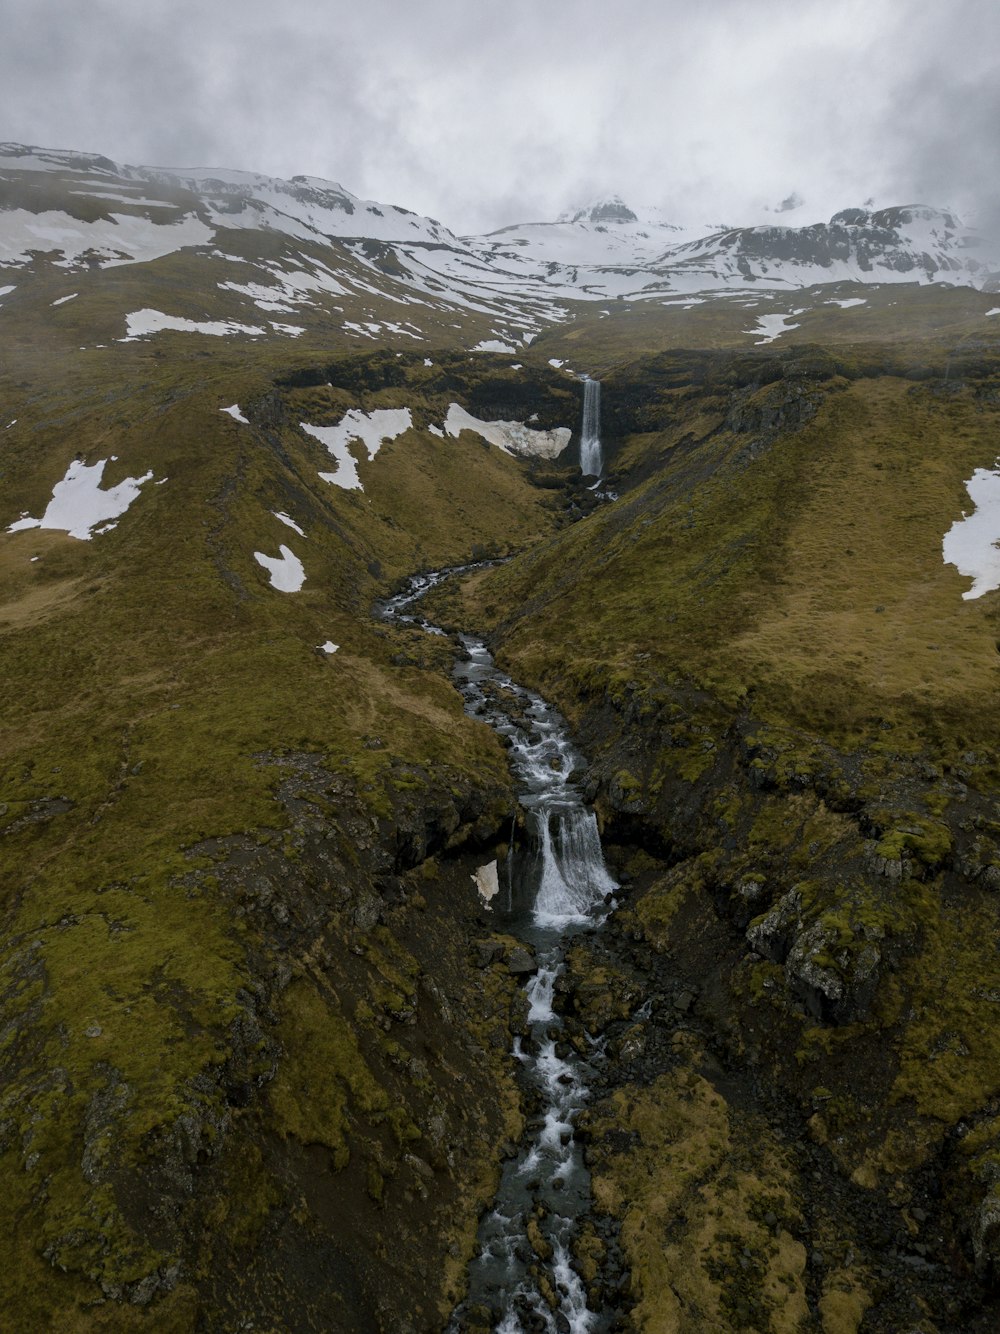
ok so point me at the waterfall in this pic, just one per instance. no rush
(591, 458)
(573, 879)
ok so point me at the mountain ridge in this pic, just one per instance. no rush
(603, 249)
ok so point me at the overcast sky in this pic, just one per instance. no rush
(482, 114)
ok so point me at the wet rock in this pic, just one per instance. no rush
(520, 960)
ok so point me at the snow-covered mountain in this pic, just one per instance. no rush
(278, 256)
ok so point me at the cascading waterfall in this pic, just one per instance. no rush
(557, 886)
(591, 456)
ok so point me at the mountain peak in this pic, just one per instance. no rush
(611, 209)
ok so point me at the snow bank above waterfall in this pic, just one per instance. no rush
(511, 437)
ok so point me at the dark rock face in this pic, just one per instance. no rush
(606, 210)
(612, 211)
(854, 236)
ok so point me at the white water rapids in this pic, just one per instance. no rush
(591, 455)
(555, 885)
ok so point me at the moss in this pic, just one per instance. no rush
(692, 1210)
(324, 1075)
(928, 841)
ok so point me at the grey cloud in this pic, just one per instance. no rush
(483, 115)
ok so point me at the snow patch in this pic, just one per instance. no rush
(373, 429)
(279, 514)
(329, 646)
(845, 303)
(773, 326)
(63, 299)
(511, 437)
(141, 323)
(78, 504)
(286, 570)
(487, 882)
(972, 543)
(994, 311)
(234, 412)
(493, 345)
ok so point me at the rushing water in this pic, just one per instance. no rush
(591, 455)
(555, 884)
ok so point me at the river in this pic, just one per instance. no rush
(553, 884)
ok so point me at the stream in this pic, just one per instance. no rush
(552, 885)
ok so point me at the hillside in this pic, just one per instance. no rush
(257, 1019)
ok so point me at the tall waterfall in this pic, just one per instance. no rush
(591, 458)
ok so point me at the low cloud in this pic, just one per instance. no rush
(487, 115)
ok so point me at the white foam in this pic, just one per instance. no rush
(972, 543)
(286, 570)
(78, 504)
